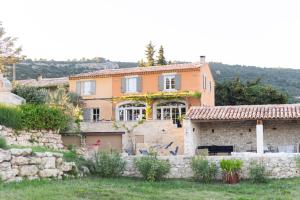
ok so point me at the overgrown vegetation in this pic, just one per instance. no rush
(203, 170)
(257, 172)
(151, 168)
(11, 116)
(108, 164)
(33, 117)
(31, 94)
(236, 92)
(3, 144)
(297, 160)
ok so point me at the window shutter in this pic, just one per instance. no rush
(78, 87)
(87, 112)
(139, 84)
(177, 81)
(123, 85)
(161, 83)
(93, 87)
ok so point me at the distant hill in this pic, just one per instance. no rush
(286, 80)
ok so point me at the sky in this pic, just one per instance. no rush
(263, 33)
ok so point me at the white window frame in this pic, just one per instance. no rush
(169, 77)
(126, 112)
(169, 107)
(135, 86)
(204, 81)
(93, 114)
(87, 91)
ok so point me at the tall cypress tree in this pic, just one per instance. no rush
(161, 60)
(150, 54)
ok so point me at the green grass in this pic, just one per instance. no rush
(124, 188)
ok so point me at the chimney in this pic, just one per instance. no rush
(202, 60)
(39, 77)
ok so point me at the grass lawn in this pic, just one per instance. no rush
(124, 188)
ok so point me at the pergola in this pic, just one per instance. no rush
(259, 113)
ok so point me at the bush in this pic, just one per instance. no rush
(10, 116)
(3, 144)
(203, 170)
(38, 117)
(33, 95)
(257, 172)
(108, 164)
(151, 168)
(297, 160)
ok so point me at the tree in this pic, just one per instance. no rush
(9, 54)
(161, 60)
(236, 92)
(150, 54)
(32, 95)
(141, 63)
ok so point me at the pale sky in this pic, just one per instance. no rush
(264, 33)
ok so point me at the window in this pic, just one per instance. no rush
(209, 85)
(170, 110)
(131, 84)
(169, 82)
(86, 87)
(131, 112)
(204, 82)
(96, 114)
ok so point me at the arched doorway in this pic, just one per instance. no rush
(170, 110)
(131, 111)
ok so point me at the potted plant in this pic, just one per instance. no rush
(231, 170)
(179, 121)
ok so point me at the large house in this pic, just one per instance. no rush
(161, 95)
(125, 94)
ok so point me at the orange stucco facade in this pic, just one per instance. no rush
(108, 86)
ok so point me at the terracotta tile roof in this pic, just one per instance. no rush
(138, 70)
(44, 82)
(247, 112)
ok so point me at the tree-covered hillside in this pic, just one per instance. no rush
(286, 80)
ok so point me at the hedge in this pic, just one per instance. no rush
(33, 117)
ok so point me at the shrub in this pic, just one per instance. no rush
(203, 170)
(3, 144)
(231, 169)
(33, 95)
(10, 116)
(257, 172)
(151, 168)
(297, 160)
(38, 117)
(108, 164)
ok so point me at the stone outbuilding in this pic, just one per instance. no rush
(6, 96)
(247, 128)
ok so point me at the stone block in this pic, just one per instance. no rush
(48, 163)
(28, 170)
(35, 160)
(21, 152)
(20, 160)
(4, 155)
(47, 173)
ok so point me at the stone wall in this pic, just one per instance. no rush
(32, 138)
(278, 165)
(18, 164)
(152, 132)
(242, 135)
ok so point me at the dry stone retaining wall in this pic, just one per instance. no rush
(32, 138)
(17, 164)
(278, 165)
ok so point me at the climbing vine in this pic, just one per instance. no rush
(148, 98)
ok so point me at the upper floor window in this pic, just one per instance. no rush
(169, 82)
(131, 84)
(210, 86)
(86, 87)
